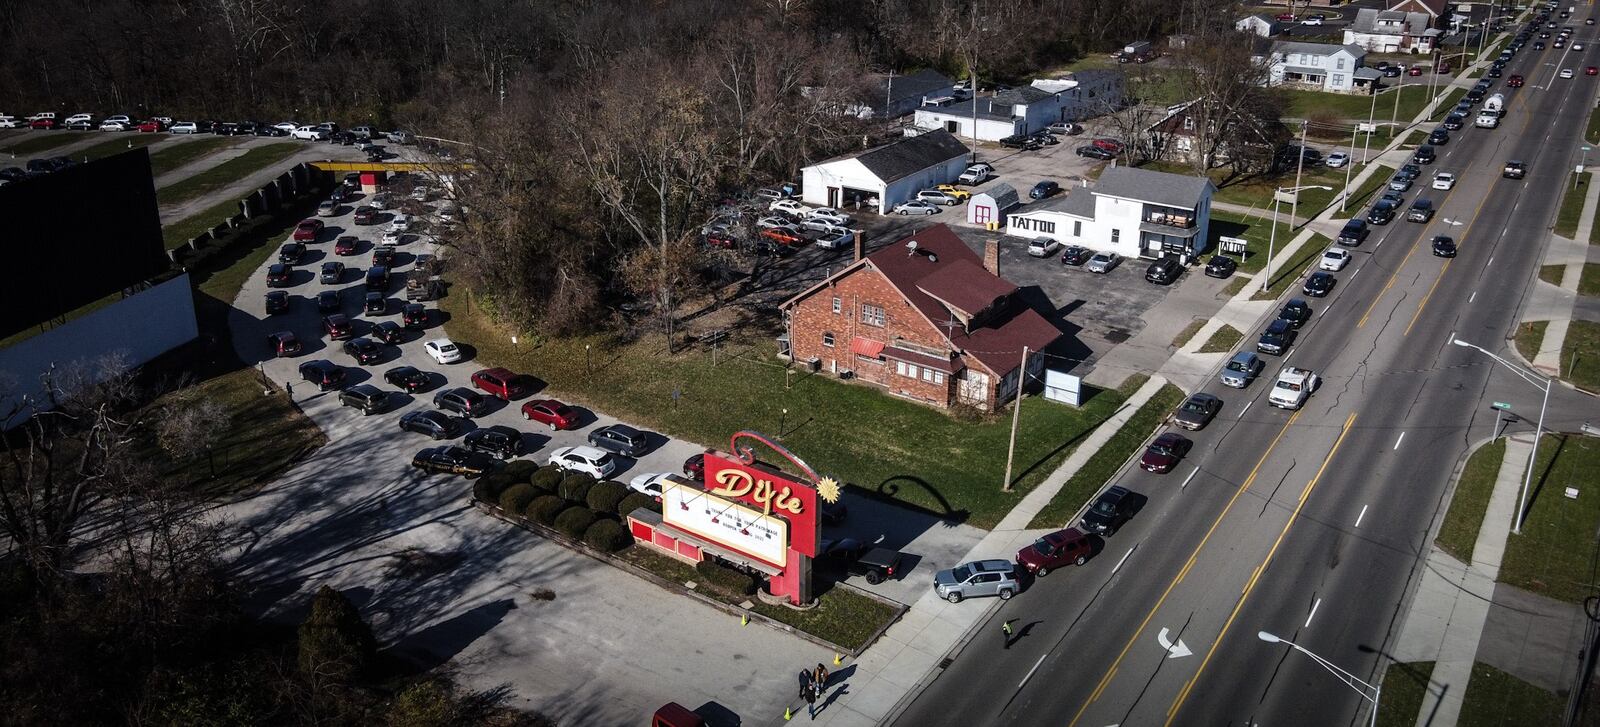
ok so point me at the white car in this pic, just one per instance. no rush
(288, 127)
(830, 215)
(400, 223)
(1566, 73)
(1444, 180)
(1337, 159)
(1311, 21)
(652, 483)
(121, 118)
(379, 201)
(419, 193)
(1042, 246)
(836, 240)
(1103, 262)
(917, 207)
(793, 207)
(165, 120)
(309, 133)
(78, 118)
(1577, 47)
(588, 460)
(443, 350)
(769, 193)
(934, 196)
(771, 221)
(109, 125)
(391, 237)
(1334, 260)
(185, 127)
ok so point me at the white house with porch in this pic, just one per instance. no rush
(1321, 66)
(1131, 212)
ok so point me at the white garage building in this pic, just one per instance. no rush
(890, 174)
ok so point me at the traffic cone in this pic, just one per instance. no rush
(838, 658)
(744, 620)
(788, 713)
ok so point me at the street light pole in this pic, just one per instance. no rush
(1538, 431)
(1349, 165)
(1366, 142)
(1350, 680)
(1272, 238)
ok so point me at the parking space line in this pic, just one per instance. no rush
(1190, 477)
(1246, 408)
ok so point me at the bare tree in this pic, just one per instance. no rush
(192, 426)
(1230, 92)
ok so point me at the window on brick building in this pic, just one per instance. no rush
(837, 306)
(827, 340)
(871, 315)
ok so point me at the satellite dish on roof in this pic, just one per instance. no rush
(911, 247)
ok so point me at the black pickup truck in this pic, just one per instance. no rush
(876, 565)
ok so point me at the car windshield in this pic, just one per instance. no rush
(961, 573)
(1043, 546)
(1159, 448)
(1194, 406)
(1104, 507)
(1236, 365)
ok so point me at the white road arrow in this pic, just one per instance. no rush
(1174, 651)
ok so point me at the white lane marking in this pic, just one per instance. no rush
(1353, 275)
(1400, 439)
(1190, 477)
(1031, 671)
(1362, 516)
(1286, 356)
(1174, 650)
(1313, 613)
(1124, 560)
(1491, 261)
(1246, 408)
(1474, 296)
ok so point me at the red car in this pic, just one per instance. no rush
(283, 344)
(695, 467)
(345, 245)
(720, 240)
(1286, 17)
(1163, 454)
(307, 231)
(1415, 71)
(338, 327)
(45, 124)
(783, 236)
(551, 412)
(502, 383)
(1514, 82)
(149, 127)
(1591, 71)
(1062, 547)
(1111, 145)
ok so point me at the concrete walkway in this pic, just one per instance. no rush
(1572, 254)
(239, 188)
(891, 672)
(1446, 621)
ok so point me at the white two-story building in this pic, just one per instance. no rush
(1025, 110)
(1131, 212)
(1319, 66)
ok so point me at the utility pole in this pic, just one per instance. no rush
(888, 95)
(1016, 413)
(1349, 165)
(1294, 207)
(1366, 142)
(1398, 91)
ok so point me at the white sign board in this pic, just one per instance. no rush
(1233, 245)
(1063, 387)
(727, 523)
(1366, 127)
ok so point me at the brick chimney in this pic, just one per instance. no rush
(991, 256)
(859, 250)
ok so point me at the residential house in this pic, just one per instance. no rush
(1260, 24)
(1393, 31)
(1438, 11)
(887, 175)
(1320, 66)
(1177, 138)
(1131, 212)
(925, 319)
(890, 96)
(1027, 109)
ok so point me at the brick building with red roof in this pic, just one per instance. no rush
(924, 318)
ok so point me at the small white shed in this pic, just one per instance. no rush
(990, 205)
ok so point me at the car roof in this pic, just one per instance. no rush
(439, 342)
(583, 450)
(623, 429)
(1243, 356)
(994, 565)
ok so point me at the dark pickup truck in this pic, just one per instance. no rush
(876, 565)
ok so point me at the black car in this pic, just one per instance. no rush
(1354, 233)
(461, 400)
(226, 128)
(383, 256)
(451, 461)
(1382, 212)
(291, 253)
(1076, 255)
(1280, 334)
(1221, 266)
(322, 372)
(1111, 510)
(332, 272)
(378, 278)
(1455, 122)
(1163, 271)
(1408, 171)
(338, 327)
(414, 316)
(279, 274)
(409, 378)
(875, 565)
(498, 440)
(13, 174)
(1495, 72)
(1044, 189)
(277, 302)
(366, 397)
(1514, 170)
(1421, 211)
(269, 130)
(342, 137)
(1095, 152)
(388, 332)
(436, 424)
(363, 350)
(1296, 312)
(328, 302)
(1439, 136)
(376, 304)
(1424, 155)
(1443, 246)
(620, 439)
(1319, 284)
(246, 128)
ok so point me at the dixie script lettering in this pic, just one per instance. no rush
(737, 483)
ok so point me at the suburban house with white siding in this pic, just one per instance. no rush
(1131, 212)
(1393, 31)
(1321, 66)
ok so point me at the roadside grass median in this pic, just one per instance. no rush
(1302, 104)
(1494, 698)
(949, 464)
(1554, 554)
(1580, 355)
(1589, 281)
(45, 141)
(1405, 684)
(1188, 332)
(184, 152)
(119, 145)
(225, 173)
(1552, 273)
(1291, 272)
(1572, 204)
(1255, 232)
(1591, 133)
(1458, 534)
(1223, 340)
(1528, 338)
(1103, 466)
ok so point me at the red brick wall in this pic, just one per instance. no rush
(814, 316)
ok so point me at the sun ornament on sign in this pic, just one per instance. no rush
(828, 489)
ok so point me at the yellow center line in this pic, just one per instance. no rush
(1245, 595)
(1424, 303)
(1387, 286)
(1115, 665)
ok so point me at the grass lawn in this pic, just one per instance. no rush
(1289, 274)
(226, 173)
(119, 145)
(1256, 190)
(1554, 554)
(182, 153)
(1592, 131)
(1223, 340)
(181, 232)
(1448, 104)
(1109, 458)
(1305, 104)
(46, 141)
(1188, 332)
(1589, 283)
(1255, 232)
(1404, 686)
(1234, 286)
(1459, 532)
(1497, 699)
(911, 453)
(1572, 205)
(1552, 273)
(1530, 335)
(1366, 191)
(1580, 355)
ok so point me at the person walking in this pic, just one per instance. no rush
(1005, 628)
(821, 678)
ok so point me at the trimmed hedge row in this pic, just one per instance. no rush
(578, 507)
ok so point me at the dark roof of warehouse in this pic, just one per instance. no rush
(912, 154)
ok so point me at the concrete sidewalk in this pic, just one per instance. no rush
(891, 672)
(1446, 620)
(1558, 309)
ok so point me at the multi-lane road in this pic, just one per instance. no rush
(1311, 524)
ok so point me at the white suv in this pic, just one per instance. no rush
(974, 175)
(185, 127)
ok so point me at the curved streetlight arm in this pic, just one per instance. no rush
(1350, 680)
(1528, 376)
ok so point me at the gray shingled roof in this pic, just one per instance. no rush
(1004, 195)
(912, 154)
(914, 85)
(1076, 201)
(1022, 95)
(963, 109)
(1316, 49)
(1163, 188)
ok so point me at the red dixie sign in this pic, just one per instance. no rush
(769, 491)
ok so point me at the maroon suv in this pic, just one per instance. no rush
(1062, 547)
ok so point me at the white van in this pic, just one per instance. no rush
(42, 115)
(1487, 120)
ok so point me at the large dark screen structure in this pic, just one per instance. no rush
(72, 237)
